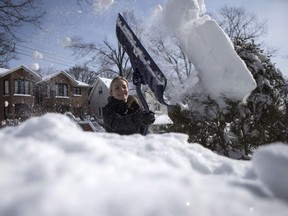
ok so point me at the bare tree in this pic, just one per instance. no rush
(83, 74)
(108, 58)
(13, 16)
(105, 57)
(171, 54)
(239, 23)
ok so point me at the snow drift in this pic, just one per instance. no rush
(49, 166)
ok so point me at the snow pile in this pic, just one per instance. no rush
(220, 71)
(271, 166)
(48, 166)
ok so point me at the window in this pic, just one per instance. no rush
(6, 87)
(77, 91)
(157, 107)
(100, 90)
(21, 86)
(62, 90)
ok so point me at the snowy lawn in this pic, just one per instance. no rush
(49, 166)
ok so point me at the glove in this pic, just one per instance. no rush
(148, 118)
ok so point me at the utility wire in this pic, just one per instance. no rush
(25, 47)
(48, 60)
(54, 61)
(45, 49)
(48, 55)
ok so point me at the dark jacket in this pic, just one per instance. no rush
(121, 117)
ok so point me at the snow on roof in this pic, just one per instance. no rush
(50, 76)
(4, 71)
(106, 81)
(82, 84)
(76, 82)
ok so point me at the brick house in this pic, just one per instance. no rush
(17, 98)
(61, 93)
(23, 93)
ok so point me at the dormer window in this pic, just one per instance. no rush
(21, 86)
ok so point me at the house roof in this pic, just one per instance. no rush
(4, 71)
(106, 81)
(74, 81)
(82, 84)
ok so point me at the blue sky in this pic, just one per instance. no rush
(66, 19)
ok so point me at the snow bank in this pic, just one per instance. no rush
(49, 166)
(271, 166)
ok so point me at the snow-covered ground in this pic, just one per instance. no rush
(50, 167)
